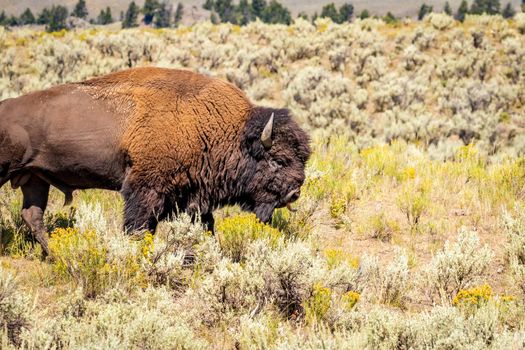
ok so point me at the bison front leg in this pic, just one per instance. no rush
(36, 192)
(143, 207)
(208, 221)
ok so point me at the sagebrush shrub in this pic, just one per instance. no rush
(440, 21)
(178, 249)
(387, 285)
(520, 22)
(514, 228)
(117, 320)
(237, 232)
(15, 309)
(319, 97)
(457, 266)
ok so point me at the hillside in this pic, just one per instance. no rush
(399, 8)
(409, 232)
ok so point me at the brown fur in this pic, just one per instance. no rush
(185, 106)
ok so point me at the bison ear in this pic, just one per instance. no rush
(266, 136)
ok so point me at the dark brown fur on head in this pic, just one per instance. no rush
(273, 175)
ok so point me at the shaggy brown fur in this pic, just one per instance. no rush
(168, 139)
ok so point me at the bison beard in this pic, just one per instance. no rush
(169, 140)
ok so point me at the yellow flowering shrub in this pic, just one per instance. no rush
(147, 245)
(335, 257)
(508, 181)
(467, 154)
(473, 296)
(316, 307)
(384, 160)
(237, 232)
(85, 258)
(349, 299)
(414, 200)
(80, 256)
(408, 173)
(298, 224)
(338, 206)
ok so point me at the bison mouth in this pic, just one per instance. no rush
(291, 197)
(264, 211)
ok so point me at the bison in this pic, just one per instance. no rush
(168, 140)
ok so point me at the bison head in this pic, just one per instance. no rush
(276, 151)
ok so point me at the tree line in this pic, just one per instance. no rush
(160, 14)
(478, 7)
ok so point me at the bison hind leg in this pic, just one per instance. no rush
(36, 192)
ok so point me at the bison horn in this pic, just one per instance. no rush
(266, 136)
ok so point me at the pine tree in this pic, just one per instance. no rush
(275, 13)
(245, 14)
(149, 9)
(423, 11)
(462, 11)
(490, 7)
(346, 11)
(80, 10)
(226, 11)
(162, 17)
(209, 5)
(508, 11)
(12, 21)
(179, 13)
(101, 17)
(44, 16)
(493, 7)
(389, 18)
(258, 7)
(57, 19)
(447, 9)
(109, 16)
(131, 16)
(364, 14)
(214, 19)
(3, 18)
(105, 16)
(477, 7)
(330, 11)
(27, 17)
(303, 15)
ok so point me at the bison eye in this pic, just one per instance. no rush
(276, 164)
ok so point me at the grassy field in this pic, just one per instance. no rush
(409, 234)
